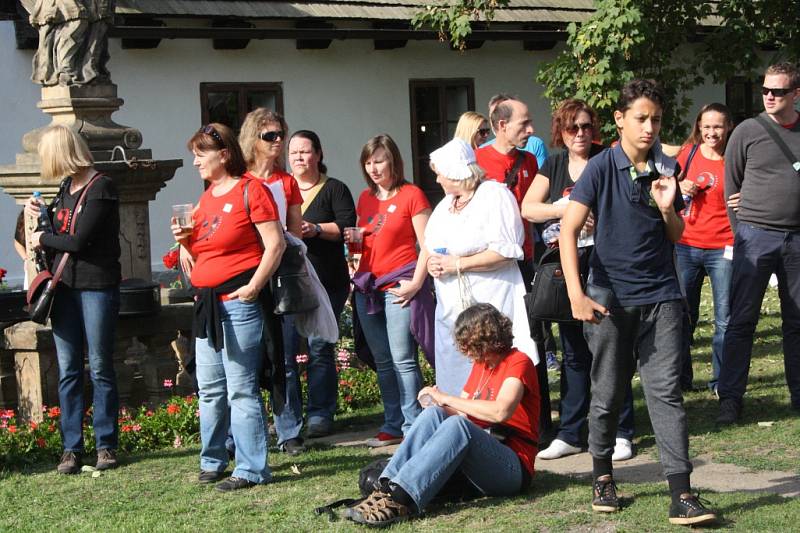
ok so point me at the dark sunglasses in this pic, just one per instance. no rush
(573, 129)
(776, 92)
(484, 132)
(272, 136)
(209, 130)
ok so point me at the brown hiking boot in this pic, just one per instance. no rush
(106, 459)
(70, 463)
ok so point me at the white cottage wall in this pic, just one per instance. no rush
(346, 93)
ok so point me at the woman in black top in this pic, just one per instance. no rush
(575, 128)
(86, 302)
(327, 209)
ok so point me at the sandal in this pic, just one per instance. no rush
(379, 510)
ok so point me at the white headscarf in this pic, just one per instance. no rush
(453, 160)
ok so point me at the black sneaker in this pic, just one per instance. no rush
(605, 495)
(70, 463)
(293, 447)
(690, 511)
(729, 412)
(235, 483)
(210, 476)
(106, 459)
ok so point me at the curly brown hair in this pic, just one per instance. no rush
(483, 333)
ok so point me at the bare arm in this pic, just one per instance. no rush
(494, 411)
(406, 290)
(535, 207)
(294, 221)
(274, 243)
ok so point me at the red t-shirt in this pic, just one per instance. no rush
(290, 187)
(484, 383)
(224, 240)
(496, 164)
(389, 238)
(707, 224)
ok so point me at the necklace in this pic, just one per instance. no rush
(459, 205)
(477, 394)
(304, 189)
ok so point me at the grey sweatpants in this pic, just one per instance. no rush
(654, 332)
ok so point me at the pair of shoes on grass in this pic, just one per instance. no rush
(384, 439)
(229, 484)
(689, 510)
(71, 461)
(623, 450)
(380, 510)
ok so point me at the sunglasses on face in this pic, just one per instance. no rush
(483, 132)
(209, 130)
(776, 92)
(573, 129)
(272, 136)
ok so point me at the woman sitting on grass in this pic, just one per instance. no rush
(489, 433)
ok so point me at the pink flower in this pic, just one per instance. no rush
(301, 358)
(6, 413)
(168, 383)
(136, 427)
(177, 443)
(149, 413)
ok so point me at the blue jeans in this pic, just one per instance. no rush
(693, 264)
(323, 382)
(88, 316)
(757, 253)
(230, 395)
(389, 338)
(573, 409)
(437, 445)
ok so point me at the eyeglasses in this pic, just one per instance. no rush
(777, 92)
(484, 132)
(573, 129)
(209, 130)
(272, 136)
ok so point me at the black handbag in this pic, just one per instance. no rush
(548, 299)
(292, 291)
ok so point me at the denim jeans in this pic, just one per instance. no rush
(438, 444)
(576, 367)
(230, 395)
(655, 333)
(388, 335)
(693, 264)
(757, 253)
(88, 316)
(323, 383)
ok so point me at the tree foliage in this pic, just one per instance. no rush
(678, 43)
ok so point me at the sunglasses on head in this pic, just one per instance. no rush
(272, 136)
(484, 131)
(209, 130)
(573, 129)
(777, 92)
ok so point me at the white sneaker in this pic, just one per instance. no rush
(558, 448)
(623, 450)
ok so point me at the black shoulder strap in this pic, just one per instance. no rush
(511, 175)
(770, 128)
(685, 171)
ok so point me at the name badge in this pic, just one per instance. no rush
(392, 208)
(227, 208)
(728, 253)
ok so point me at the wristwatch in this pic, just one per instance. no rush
(318, 228)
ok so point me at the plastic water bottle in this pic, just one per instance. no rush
(43, 223)
(687, 202)
(551, 233)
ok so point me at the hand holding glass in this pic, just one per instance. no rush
(355, 240)
(183, 215)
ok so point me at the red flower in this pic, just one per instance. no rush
(173, 409)
(3, 273)
(51, 428)
(126, 428)
(149, 413)
(12, 429)
(34, 425)
(41, 443)
(54, 412)
(170, 259)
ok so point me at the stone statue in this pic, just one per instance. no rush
(73, 41)
(184, 381)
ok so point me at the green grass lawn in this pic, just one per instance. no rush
(158, 491)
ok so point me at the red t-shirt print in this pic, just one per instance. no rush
(62, 219)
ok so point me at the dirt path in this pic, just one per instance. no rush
(719, 477)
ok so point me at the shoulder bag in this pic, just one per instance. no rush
(772, 131)
(548, 299)
(292, 291)
(43, 287)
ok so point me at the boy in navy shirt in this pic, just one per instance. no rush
(632, 303)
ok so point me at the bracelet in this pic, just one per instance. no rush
(458, 266)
